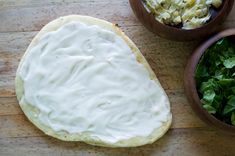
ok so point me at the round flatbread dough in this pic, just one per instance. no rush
(83, 79)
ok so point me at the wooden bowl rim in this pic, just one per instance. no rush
(190, 83)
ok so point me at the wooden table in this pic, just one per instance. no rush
(20, 20)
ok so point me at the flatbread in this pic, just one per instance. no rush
(31, 112)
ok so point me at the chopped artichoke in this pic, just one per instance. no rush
(190, 13)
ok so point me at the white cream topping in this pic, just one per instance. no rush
(85, 79)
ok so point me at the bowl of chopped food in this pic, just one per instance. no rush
(209, 81)
(182, 20)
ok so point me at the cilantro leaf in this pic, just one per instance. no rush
(219, 74)
(201, 71)
(226, 83)
(233, 118)
(208, 85)
(210, 109)
(229, 63)
(209, 96)
(230, 107)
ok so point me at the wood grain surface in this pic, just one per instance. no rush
(20, 20)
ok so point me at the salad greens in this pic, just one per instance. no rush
(215, 80)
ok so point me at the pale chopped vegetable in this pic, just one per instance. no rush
(190, 13)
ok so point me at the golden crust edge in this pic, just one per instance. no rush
(30, 111)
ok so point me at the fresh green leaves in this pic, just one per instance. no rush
(209, 96)
(201, 71)
(230, 107)
(229, 63)
(233, 118)
(209, 108)
(215, 79)
(211, 84)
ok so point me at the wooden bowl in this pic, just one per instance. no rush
(190, 82)
(178, 34)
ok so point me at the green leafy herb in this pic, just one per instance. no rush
(210, 108)
(233, 118)
(215, 79)
(209, 96)
(230, 107)
(229, 63)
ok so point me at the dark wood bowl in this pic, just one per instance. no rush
(178, 34)
(190, 82)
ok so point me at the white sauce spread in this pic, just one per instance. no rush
(85, 79)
